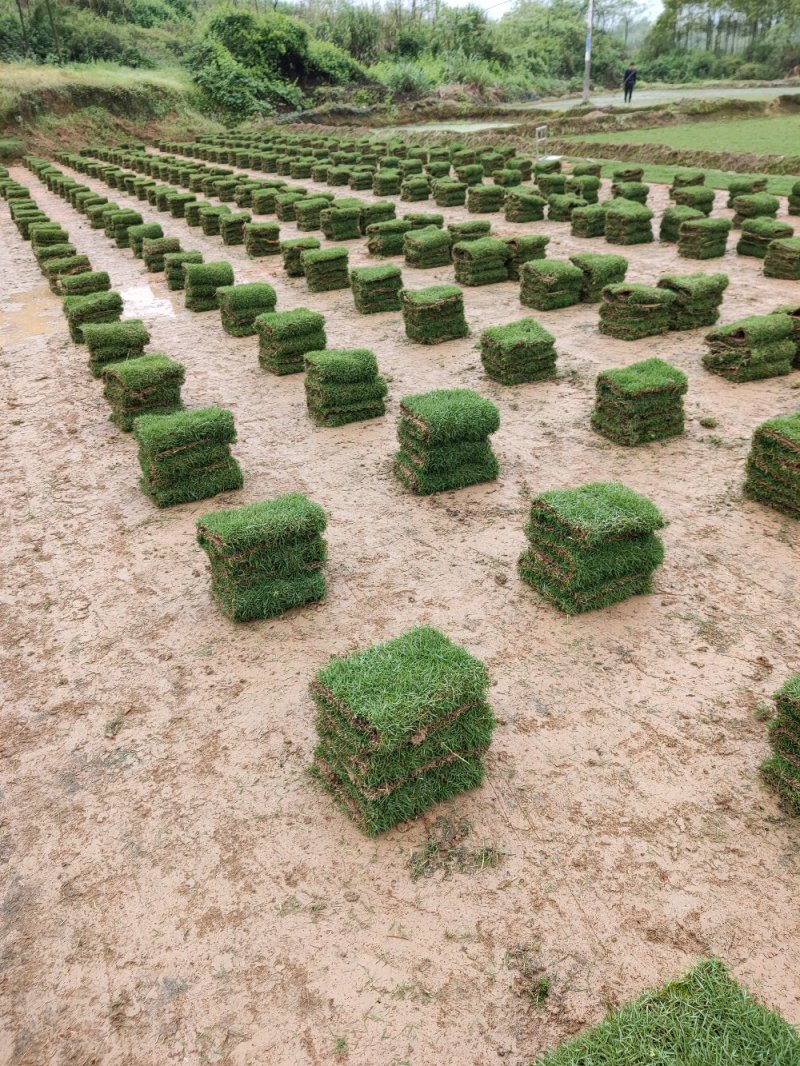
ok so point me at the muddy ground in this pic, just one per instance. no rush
(180, 891)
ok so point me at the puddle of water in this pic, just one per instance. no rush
(31, 314)
(140, 300)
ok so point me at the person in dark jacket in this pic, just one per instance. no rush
(628, 82)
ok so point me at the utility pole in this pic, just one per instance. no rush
(587, 63)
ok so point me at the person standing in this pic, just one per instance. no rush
(628, 82)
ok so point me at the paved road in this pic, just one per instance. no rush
(642, 98)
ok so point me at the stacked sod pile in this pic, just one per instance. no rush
(640, 403)
(433, 315)
(758, 205)
(547, 284)
(782, 769)
(292, 254)
(519, 352)
(695, 196)
(792, 311)
(480, 262)
(201, 281)
(265, 557)
(794, 199)
(343, 386)
(386, 183)
(560, 206)
(636, 191)
(386, 238)
(114, 342)
(326, 269)
(757, 234)
(341, 223)
(628, 222)
(444, 441)
(174, 263)
(427, 247)
(672, 220)
(155, 248)
(745, 186)
(308, 212)
(773, 465)
(186, 456)
(138, 234)
(471, 230)
(698, 298)
(591, 546)
(630, 312)
(586, 186)
(448, 193)
(484, 198)
(88, 281)
(423, 219)
(783, 259)
(240, 306)
(589, 221)
(402, 726)
(284, 337)
(750, 349)
(523, 250)
(703, 238)
(376, 289)
(524, 205)
(262, 238)
(83, 311)
(149, 385)
(599, 271)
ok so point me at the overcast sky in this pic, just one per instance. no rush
(496, 8)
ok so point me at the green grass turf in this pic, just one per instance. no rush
(760, 136)
(444, 416)
(658, 174)
(594, 513)
(400, 690)
(702, 1019)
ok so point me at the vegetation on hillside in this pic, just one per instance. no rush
(248, 62)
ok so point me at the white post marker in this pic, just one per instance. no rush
(541, 142)
(587, 61)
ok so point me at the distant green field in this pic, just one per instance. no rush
(762, 136)
(659, 174)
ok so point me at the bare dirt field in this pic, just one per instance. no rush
(179, 890)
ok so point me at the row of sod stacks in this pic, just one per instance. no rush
(628, 222)
(598, 271)
(402, 726)
(640, 403)
(523, 250)
(757, 234)
(240, 306)
(326, 269)
(547, 284)
(524, 206)
(386, 238)
(750, 349)
(427, 247)
(444, 441)
(292, 254)
(265, 557)
(284, 337)
(783, 259)
(698, 298)
(343, 386)
(174, 263)
(114, 342)
(201, 281)
(262, 239)
(629, 311)
(672, 220)
(434, 315)
(703, 238)
(186, 456)
(149, 385)
(480, 262)
(589, 221)
(376, 289)
(84, 310)
(591, 546)
(519, 352)
(773, 465)
(782, 769)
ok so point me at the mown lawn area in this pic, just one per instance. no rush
(762, 136)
